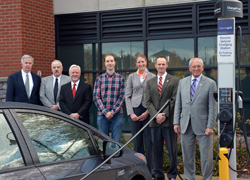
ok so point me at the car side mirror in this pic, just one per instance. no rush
(110, 148)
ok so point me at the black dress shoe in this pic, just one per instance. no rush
(157, 178)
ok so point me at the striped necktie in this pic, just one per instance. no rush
(193, 88)
(27, 85)
(160, 86)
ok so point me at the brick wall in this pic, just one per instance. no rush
(26, 27)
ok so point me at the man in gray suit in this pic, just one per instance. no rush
(158, 90)
(195, 118)
(51, 86)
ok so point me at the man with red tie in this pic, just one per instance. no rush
(76, 96)
(158, 90)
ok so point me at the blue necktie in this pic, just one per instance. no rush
(193, 88)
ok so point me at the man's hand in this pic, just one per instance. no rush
(55, 107)
(75, 115)
(177, 128)
(160, 118)
(109, 115)
(209, 131)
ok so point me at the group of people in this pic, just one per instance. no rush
(191, 111)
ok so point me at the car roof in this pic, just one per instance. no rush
(12, 105)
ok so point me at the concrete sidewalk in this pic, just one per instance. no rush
(200, 178)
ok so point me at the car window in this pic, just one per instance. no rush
(10, 155)
(55, 139)
(99, 141)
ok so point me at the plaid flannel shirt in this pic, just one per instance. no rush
(108, 94)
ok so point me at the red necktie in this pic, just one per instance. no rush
(74, 91)
(160, 85)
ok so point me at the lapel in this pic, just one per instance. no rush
(199, 88)
(77, 91)
(20, 82)
(188, 85)
(154, 86)
(165, 84)
(35, 84)
(51, 85)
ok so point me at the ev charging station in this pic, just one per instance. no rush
(226, 11)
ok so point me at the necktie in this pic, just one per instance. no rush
(74, 91)
(55, 89)
(160, 86)
(27, 85)
(193, 88)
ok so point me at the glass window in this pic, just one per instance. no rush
(71, 54)
(10, 155)
(207, 50)
(178, 51)
(90, 57)
(55, 139)
(125, 53)
(245, 50)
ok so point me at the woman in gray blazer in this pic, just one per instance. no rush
(135, 98)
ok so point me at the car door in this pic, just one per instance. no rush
(15, 160)
(61, 148)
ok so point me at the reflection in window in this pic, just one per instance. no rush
(90, 57)
(125, 53)
(70, 54)
(207, 50)
(211, 73)
(178, 51)
(245, 50)
(10, 155)
(55, 139)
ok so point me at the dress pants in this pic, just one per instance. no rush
(143, 140)
(188, 145)
(160, 134)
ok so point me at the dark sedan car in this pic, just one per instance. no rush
(39, 143)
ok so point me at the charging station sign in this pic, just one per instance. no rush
(226, 41)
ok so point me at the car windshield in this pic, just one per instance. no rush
(55, 139)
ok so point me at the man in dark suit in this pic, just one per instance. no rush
(158, 90)
(195, 118)
(76, 96)
(51, 86)
(24, 85)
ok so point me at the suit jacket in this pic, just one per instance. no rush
(155, 102)
(16, 89)
(135, 93)
(47, 90)
(80, 104)
(202, 109)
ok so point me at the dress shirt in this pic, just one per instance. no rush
(163, 78)
(31, 84)
(72, 84)
(197, 82)
(58, 80)
(109, 91)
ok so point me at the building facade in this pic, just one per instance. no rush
(178, 30)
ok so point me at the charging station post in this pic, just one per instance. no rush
(226, 11)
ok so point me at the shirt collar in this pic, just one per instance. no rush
(54, 77)
(163, 76)
(72, 84)
(108, 75)
(198, 78)
(24, 73)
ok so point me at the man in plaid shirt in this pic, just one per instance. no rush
(108, 96)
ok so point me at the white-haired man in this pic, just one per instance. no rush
(24, 85)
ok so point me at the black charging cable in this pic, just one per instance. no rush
(241, 110)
